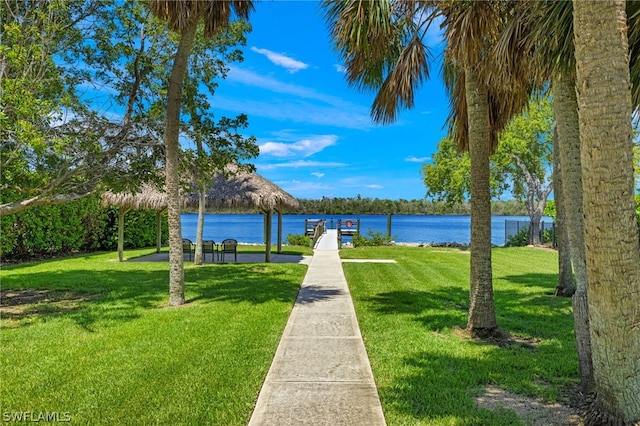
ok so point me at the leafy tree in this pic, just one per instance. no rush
(184, 18)
(217, 143)
(56, 145)
(525, 157)
(520, 164)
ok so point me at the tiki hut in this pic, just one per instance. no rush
(241, 191)
(148, 197)
(247, 191)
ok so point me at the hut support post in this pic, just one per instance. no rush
(267, 231)
(279, 231)
(158, 231)
(121, 212)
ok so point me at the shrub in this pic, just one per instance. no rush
(376, 238)
(298, 240)
(521, 239)
(82, 225)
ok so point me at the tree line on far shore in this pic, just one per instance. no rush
(360, 205)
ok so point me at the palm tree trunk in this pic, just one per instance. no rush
(172, 148)
(611, 232)
(565, 107)
(482, 318)
(565, 287)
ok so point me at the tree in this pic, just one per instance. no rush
(184, 18)
(217, 143)
(525, 155)
(611, 232)
(550, 38)
(566, 286)
(56, 146)
(381, 43)
(520, 164)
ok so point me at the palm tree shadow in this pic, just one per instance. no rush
(437, 310)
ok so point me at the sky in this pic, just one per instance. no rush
(315, 133)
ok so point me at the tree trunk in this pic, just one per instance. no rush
(611, 232)
(536, 201)
(565, 287)
(482, 318)
(565, 107)
(197, 259)
(172, 148)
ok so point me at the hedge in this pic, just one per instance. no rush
(79, 226)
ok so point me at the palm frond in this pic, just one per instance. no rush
(215, 13)
(398, 89)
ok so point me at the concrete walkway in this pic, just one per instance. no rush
(320, 374)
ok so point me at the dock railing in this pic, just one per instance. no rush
(319, 227)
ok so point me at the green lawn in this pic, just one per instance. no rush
(105, 349)
(411, 314)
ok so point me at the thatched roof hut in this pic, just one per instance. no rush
(246, 191)
(148, 197)
(242, 190)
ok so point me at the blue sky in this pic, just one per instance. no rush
(315, 134)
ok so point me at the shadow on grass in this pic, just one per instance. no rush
(112, 296)
(436, 383)
(442, 387)
(544, 282)
(517, 311)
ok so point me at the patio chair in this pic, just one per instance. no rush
(187, 247)
(210, 246)
(229, 246)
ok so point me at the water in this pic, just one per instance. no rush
(248, 228)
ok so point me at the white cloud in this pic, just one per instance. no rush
(304, 147)
(300, 163)
(413, 159)
(317, 174)
(306, 189)
(335, 111)
(340, 68)
(373, 186)
(292, 65)
(350, 117)
(251, 78)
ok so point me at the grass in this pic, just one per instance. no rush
(411, 315)
(101, 346)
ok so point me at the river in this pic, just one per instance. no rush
(248, 228)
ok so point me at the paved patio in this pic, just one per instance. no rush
(242, 258)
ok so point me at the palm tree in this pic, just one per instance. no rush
(545, 53)
(484, 97)
(611, 233)
(381, 43)
(184, 17)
